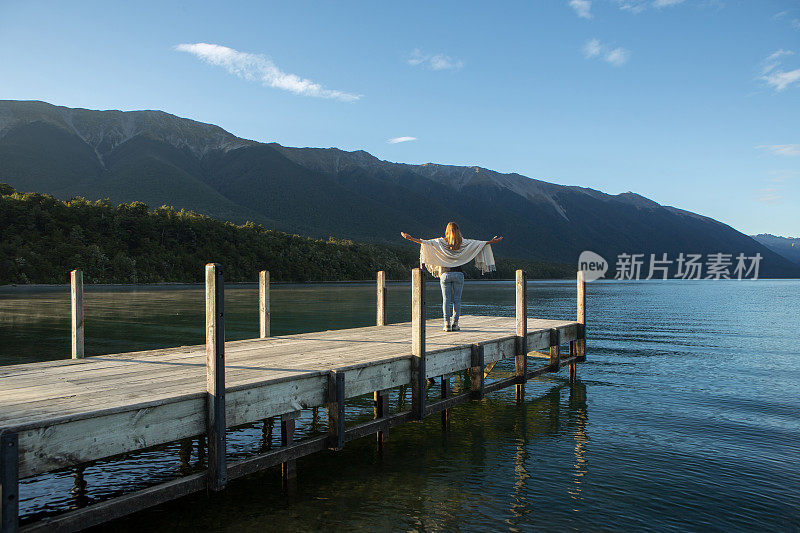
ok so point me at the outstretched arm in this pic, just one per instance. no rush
(495, 239)
(410, 238)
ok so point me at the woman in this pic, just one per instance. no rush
(443, 257)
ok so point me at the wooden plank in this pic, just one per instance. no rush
(368, 428)
(443, 405)
(500, 384)
(418, 370)
(381, 298)
(76, 313)
(9, 482)
(336, 395)
(140, 500)
(263, 304)
(215, 377)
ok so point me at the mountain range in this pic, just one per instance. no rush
(162, 159)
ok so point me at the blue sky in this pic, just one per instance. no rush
(692, 103)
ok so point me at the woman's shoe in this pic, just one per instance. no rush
(446, 327)
(455, 327)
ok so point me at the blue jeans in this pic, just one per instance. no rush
(452, 284)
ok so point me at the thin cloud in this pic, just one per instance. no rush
(637, 6)
(781, 149)
(773, 73)
(769, 195)
(779, 176)
(260, 68)
(433, 61)
(397, 140)
(592, 48)
(616, 56)
(583, 8)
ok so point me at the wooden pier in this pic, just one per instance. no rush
(61, 414)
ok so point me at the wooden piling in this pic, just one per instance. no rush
(9, 482)
(581, 341)
(215, 377)
(266, 433)
(477, 372)
(381, 298)
(289, 467)
(381, 410)
(418, 367)
(521, 359)
(446, 393)
(76, 298)
(572, 365)
(263, 303)
(555, 350)
(336, 426)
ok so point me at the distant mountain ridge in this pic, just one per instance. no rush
(161, 159)
(788, 247)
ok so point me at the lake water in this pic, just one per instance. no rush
(686, 415)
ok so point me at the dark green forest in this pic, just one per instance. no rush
(42, 238)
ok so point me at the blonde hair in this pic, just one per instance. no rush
(453, 236)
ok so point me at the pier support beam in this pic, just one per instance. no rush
(289, 468)
(263, 303)
(580, 344)
(418, 370)
(446, 393)
(76, 299)
(572, 366)
(555, 350)
(381, 298)
(215, 377)
(521, 359)
(336, 427)
(266, 433)
(477, 373)
(9, 482)
(381, 410)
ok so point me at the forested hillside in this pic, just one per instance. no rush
(43, 238)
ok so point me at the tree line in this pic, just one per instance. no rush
(42, 238)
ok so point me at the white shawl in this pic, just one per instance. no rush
(435, 254)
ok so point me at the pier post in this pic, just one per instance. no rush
(446, 393)
(215, 376)
(266, 433)
(477, 372)
(381, 293)
(381, 410)
(76, 298)
(572, 366)
(263, 303)
(289, 468)
(521, 359)
(555, 350)
(9, 482)
(418, 370)
(336, 427)
(581, 342)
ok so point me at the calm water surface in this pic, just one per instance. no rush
(686, 415)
